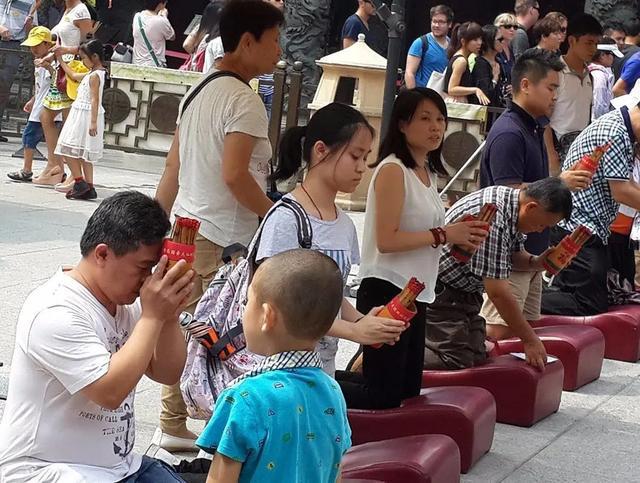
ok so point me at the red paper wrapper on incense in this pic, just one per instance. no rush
(402, 307)
(566, 250)
(590, 162)
(181, 245)
(487, 214)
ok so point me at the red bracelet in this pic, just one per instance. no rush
(439, 236)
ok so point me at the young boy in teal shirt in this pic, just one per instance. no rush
(287, 419)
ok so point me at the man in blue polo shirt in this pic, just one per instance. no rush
(515, 155)
(428, 53)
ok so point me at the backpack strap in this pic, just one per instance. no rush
(425, 44)
(305, 230)
(210, 78)
(146, 41)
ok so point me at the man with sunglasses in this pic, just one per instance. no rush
(357, 24)
(527, 13)
(428, 53)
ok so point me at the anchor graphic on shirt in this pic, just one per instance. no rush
(128, 445)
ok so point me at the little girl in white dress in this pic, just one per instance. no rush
(82, 138)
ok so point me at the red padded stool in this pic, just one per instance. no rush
(466, 414)
(580, 348)
(620, 327)
(427, 458)
(523, 394)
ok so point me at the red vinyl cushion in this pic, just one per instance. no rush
(523, 394)
(620, 327)
(432, 458)
(580, 348)
(466, 414)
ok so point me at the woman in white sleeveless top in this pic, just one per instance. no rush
(403, 236)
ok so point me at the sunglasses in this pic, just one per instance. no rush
(509, 26)
(499, 39)
(563, 30)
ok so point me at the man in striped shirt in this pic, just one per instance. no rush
(455, 333)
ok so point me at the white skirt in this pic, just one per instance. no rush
(75, 141)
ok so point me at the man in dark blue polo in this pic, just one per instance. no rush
(515, 156)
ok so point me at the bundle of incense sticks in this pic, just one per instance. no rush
(402, 307)
(181, 245)
(567, 249)
(487, 214)
(590, 162)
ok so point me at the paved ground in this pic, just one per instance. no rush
(593, 438)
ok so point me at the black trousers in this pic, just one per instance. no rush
(581, 288)
(455, 332)
(392, 373)
(622, 256)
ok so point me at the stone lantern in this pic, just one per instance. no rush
(356, 76)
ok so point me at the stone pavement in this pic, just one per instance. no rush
(593, 438)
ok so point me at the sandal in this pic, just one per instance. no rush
(51, 178)
(22, 176)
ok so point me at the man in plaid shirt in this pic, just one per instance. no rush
(455, 333)
(581, 288)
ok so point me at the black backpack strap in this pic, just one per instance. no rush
(210, 78)
(305, 230)
(425, 44)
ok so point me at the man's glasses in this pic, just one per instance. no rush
(439, 22)
(563, 30)
(509, 26)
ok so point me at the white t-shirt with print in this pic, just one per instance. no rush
(50, 431)
(158, 30)
(337, 239)
(68, 34)
(43, 81)
(226, 105)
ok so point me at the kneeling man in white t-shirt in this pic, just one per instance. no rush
(84, 340)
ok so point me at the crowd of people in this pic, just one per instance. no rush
(87, 336)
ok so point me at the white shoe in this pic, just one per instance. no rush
(173, 443)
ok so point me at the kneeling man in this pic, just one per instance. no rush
(455, 334)
(83, 342)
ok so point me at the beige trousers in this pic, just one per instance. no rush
(208, 259)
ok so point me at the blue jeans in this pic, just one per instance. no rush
(153, 471)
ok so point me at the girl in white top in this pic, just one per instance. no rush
(151, 30)
(333, 146)
(196, 42)
(82, 137)
(403, 236)
(71, 31)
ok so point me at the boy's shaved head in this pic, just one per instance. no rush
(305, 287)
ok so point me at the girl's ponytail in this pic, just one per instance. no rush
(290, 154)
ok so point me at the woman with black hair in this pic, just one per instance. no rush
(333, 149)
(404, 233)
(197, 41)
(466, 39)
(76, 23)
(487, 73)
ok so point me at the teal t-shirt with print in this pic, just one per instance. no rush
(283, 425)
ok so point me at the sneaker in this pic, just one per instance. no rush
(80, 191)
(173, 443)
(22, 176)
(92, 194)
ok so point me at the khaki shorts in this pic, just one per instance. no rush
(527, 289)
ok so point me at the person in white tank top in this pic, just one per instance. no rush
(403, 236)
